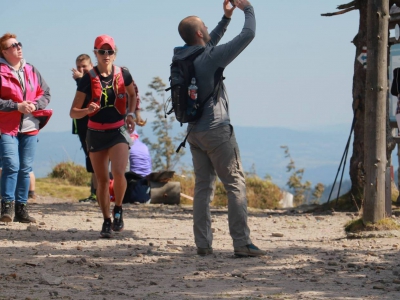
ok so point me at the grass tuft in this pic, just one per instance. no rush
(359, 226)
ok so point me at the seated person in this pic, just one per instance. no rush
(139, 157)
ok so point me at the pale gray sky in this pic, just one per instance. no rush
(297, 73)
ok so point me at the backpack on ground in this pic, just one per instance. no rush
(185, 104)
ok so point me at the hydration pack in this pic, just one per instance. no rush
(187, 109)
(182, 72)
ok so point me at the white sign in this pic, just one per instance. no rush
(362, 58)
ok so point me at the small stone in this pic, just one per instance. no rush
(237, 273)
(277, 234)
(32, 228)
(319, 218)
(50, 279)
(378, 287)
(153, 283)
(170, 242)
(72, 230)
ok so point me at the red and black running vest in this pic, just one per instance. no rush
(118, 87)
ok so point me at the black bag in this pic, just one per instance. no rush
(137, 189)
(395, 88)
(182, 71)
(186, 110)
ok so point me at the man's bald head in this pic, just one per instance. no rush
(187, 29)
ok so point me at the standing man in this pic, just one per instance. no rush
(212, 139)
(79, 126)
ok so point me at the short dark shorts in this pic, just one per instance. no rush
(97, 140)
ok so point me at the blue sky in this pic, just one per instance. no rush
(297, 73)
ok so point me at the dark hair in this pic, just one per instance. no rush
(187, 29)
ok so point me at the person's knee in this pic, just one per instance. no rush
(119, 176)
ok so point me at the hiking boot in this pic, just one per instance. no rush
(204, 251)
(21, 214)
(31, 198)
(249, 250)
(118, 223)
(7, 211)
(106, 229)
(91, 198)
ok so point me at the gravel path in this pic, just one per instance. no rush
(309, 257)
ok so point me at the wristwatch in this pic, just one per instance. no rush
(131, 114)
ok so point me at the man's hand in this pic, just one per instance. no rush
(76, 74)
(241, 4)
(228, 9)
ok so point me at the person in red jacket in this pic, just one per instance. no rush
(107, 89)
(22, 92)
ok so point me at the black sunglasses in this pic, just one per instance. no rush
(15, 45)
(102, 52)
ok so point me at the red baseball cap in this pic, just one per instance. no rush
(104, 39)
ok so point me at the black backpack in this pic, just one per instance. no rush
(137, 189)
(395, 88)
(186, 110)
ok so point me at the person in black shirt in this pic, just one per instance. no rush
(79, 126)
(106, 89)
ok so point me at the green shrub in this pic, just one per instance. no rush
(74, 174)
(260, 193)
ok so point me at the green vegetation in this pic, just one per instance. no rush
(68, 180)
(72, 173)
(301, 190)
(260, 193)
(60, 188)
(163, 152)
(384, 224)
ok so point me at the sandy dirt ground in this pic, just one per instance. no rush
(309, 257)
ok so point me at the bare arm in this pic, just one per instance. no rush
(130, 122)
(76, 111)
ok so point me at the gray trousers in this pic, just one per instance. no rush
(215, 152)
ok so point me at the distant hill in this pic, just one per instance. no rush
(318, 152)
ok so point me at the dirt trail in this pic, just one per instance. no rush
(309, 257)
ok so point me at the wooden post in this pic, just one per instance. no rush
(375, 160)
